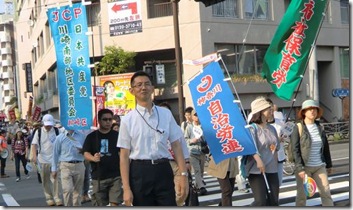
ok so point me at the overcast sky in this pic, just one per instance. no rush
(2, 8)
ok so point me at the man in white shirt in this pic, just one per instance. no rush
(144, 132)
(44, 145)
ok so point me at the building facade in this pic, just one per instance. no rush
(232, 27)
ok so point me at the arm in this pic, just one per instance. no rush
(295, 141)
(180, 160)
(34, 147)
(124, 172)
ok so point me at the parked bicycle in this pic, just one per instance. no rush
(288, 167)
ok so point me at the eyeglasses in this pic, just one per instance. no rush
(107, 119)
(139, 85)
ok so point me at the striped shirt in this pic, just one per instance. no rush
(316, 145)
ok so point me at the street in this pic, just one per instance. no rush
(28, 193)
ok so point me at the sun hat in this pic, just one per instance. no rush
(193, 113)
(18, 130)
(259, 105)
(308, 104)
(48, 120)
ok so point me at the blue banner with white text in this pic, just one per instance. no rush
(222, 123)
(68, 26)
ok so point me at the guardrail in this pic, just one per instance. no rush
(337, 130)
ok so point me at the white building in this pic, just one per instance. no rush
(231, 24)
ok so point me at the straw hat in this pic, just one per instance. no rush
(309, 104)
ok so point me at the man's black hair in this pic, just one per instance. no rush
(188, 109)
(139, 74)
(104, 111)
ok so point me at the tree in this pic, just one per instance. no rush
(115, 61)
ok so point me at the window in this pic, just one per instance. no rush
(159, 8)
(93, 14)
(344, 12)
(227, 8)
(242, 59)
(256, 9)
(344, 62)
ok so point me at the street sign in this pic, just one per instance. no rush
(340, 92)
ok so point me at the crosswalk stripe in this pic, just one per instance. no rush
(214, 195)
(9, 200)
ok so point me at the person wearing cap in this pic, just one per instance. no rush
(197, 157)
(144, 133)
(19, 146)
(311, 153)
(68, 157)
(263, 165)
(44, 145)
(3, 147)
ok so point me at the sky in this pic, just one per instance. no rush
(2, 6)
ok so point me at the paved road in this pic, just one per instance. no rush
(28, 193)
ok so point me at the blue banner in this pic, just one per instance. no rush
(222, 123)
(68, 26)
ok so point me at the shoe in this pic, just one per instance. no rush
(18, 179)
(50, 203)
(85, 199)
(202, 191)
(244, 190)
(5, 176)
(28, 176)
(60, 203)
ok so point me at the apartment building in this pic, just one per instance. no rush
(8, 71)
(232, 27)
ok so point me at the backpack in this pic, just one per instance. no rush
(289, 151)
(3, 143)
(39, 136)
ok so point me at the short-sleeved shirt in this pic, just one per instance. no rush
(105, 144)
(139, 133)
(45, 154)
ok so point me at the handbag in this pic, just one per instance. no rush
(204, 146)
(193, 196)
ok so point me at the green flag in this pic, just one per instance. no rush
(287, 56)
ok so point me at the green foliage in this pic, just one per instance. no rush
(115, 61)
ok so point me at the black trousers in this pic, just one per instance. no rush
(227, 188)
(20, 158)
(259, 189)
(3, 165)
(152, 185)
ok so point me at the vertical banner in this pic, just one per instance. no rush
(29, 80)
(287, 56)
(222, 123)
(68, 27)
(36, 113)
(100, 99)
(117, 95)
(29, 111)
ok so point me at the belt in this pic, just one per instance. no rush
(74, 161)
(151, 162)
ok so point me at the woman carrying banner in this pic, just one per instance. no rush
(311, 153)
(262, 167)
(225, 172)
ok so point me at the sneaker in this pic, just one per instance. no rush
(28, 176)
(50, 203)
(18, 179)
(244, 190)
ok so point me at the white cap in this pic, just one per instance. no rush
(48, 120)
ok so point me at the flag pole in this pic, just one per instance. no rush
(306, 65)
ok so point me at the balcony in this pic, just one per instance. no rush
(4, 37)
(8, 87)
(7, 75)
(6, 50)
(7, 62)
(7, 99)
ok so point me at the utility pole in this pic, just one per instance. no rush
(178, 60)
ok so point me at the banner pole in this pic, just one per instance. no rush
(306, 65)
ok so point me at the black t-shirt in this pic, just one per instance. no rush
(109, 165)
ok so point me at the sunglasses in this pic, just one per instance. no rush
(107, 119)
